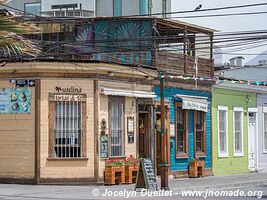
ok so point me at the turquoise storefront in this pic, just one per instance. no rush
(190, 128)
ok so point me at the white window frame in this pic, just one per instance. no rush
(238, 109)
(220, 154)
(263, 134)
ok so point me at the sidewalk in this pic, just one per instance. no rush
(44, 192)
(219, 182)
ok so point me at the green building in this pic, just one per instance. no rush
(231, 105)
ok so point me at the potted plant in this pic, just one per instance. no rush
(114, 171)
(130, 169)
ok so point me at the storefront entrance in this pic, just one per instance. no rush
(144, 128)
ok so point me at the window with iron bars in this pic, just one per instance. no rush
(67, 129)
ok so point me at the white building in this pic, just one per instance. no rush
(91, 8)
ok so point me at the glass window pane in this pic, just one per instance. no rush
(33, 8)
(238, 131)
(222, 131)
(117, 125)
(181, 130)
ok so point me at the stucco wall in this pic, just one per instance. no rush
(17, 141)
(223, 97)
(66, 168)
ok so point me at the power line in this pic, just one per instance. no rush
(222, 15)
(155, 14)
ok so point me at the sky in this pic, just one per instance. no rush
(229, 23)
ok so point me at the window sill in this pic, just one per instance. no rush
(116, 157)
(238, 155)
(67, 159)
(223, 156)
(181, 156)
(200, 155)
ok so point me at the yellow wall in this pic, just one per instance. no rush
(67, 168)
(17, 142)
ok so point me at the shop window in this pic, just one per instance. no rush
(265, 133)
(181, 131)
(223, 131)
(200, 133)
(238, 131)
(116, 117)
(67, 128)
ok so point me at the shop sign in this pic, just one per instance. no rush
(104, 146)
(15, 100)
(67, 97)
(172, 130)
(194, 105)
(68, 89)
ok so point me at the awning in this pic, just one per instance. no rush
(127, 93)
(194, 102)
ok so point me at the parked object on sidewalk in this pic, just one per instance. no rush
(145, 176)
(114, 172)
(196, 168)
(131, 168)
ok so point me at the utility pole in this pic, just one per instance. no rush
(164, 165)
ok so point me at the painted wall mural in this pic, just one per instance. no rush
(123, 42)
(15, 100)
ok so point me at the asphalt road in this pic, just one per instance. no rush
(43, 192)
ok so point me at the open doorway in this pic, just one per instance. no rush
(144, 130)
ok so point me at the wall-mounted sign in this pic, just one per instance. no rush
(15, 100)
(67, 97)
(21, 83)
(68, 89)
(130, 129)
(130, 125)
(24, 83)
(104, 146)
(172, 130)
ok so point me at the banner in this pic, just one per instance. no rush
(15, 100)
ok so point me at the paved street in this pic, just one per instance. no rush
(253, 185)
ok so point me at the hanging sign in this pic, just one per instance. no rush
(15, 100)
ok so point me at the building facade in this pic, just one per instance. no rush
(190, 128)
(230, 110)
(261, 146)
(67, 122)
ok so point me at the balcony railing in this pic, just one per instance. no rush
(179, 64)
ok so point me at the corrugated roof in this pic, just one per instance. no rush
(252, 73)
(242, 87)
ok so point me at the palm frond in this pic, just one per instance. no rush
(12, 41)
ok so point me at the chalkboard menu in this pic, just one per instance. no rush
(104, 146)
(146, 177)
